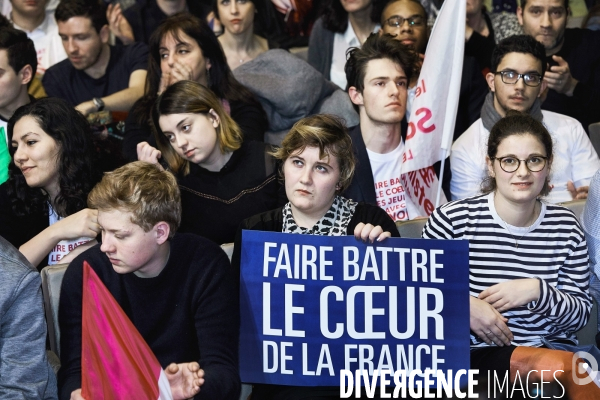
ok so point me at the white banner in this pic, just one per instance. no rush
(431, 124)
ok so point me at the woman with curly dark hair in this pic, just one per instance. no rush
(343, 24)
(184, 47)
(43, 202)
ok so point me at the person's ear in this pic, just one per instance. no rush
(104, 34)
(520, 15)
(489, 77)
(355, 96)
(490, 166)
(543, 86)
(162, 231)
(26, 74)
(214, 117)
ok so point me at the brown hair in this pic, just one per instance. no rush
(150, 194)
(187, 97)
(378, 47)
(517, 123)
(330, 135)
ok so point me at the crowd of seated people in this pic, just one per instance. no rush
(203, 85)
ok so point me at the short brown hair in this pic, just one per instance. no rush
(330, 135)
(150, 194)
(378, 47)
(94, 10)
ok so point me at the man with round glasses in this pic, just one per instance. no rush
(516, 82)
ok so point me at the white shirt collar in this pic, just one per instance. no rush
(350, 36)
(40, 29)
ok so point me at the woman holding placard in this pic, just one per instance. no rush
(317, 165)
(528, 260)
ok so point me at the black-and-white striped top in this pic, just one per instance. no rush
(553, 250)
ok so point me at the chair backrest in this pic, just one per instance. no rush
(246, 388)
(412, 228)
(51, 281)
(576, 206)
(595, 136)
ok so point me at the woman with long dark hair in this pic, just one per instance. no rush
(44, 200)
(222, 178)
(184, 47)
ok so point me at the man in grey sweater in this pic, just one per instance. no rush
(24, 369)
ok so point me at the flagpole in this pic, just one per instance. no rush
(441, 177)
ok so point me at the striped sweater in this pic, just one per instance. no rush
(553, 250)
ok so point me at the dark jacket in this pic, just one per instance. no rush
(581, 49)
(362, 187)
(320, 48)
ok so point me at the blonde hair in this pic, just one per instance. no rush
(330, 135)
(188, 97)
(150, 194)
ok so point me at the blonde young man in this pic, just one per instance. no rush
(177, 289)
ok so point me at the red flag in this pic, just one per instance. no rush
(116, 361)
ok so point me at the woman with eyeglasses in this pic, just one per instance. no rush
(528, 260)
(517, 82)
(344, 24)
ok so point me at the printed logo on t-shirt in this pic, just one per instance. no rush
(391, 196)
(42, 62)
(63, 248)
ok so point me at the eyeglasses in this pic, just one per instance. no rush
(397, 21)
(511, 78)
(511, 164)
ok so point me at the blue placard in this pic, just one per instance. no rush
(312, 306)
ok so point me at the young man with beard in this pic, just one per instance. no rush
(517, 81)
(96, 76)
(573, 55)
